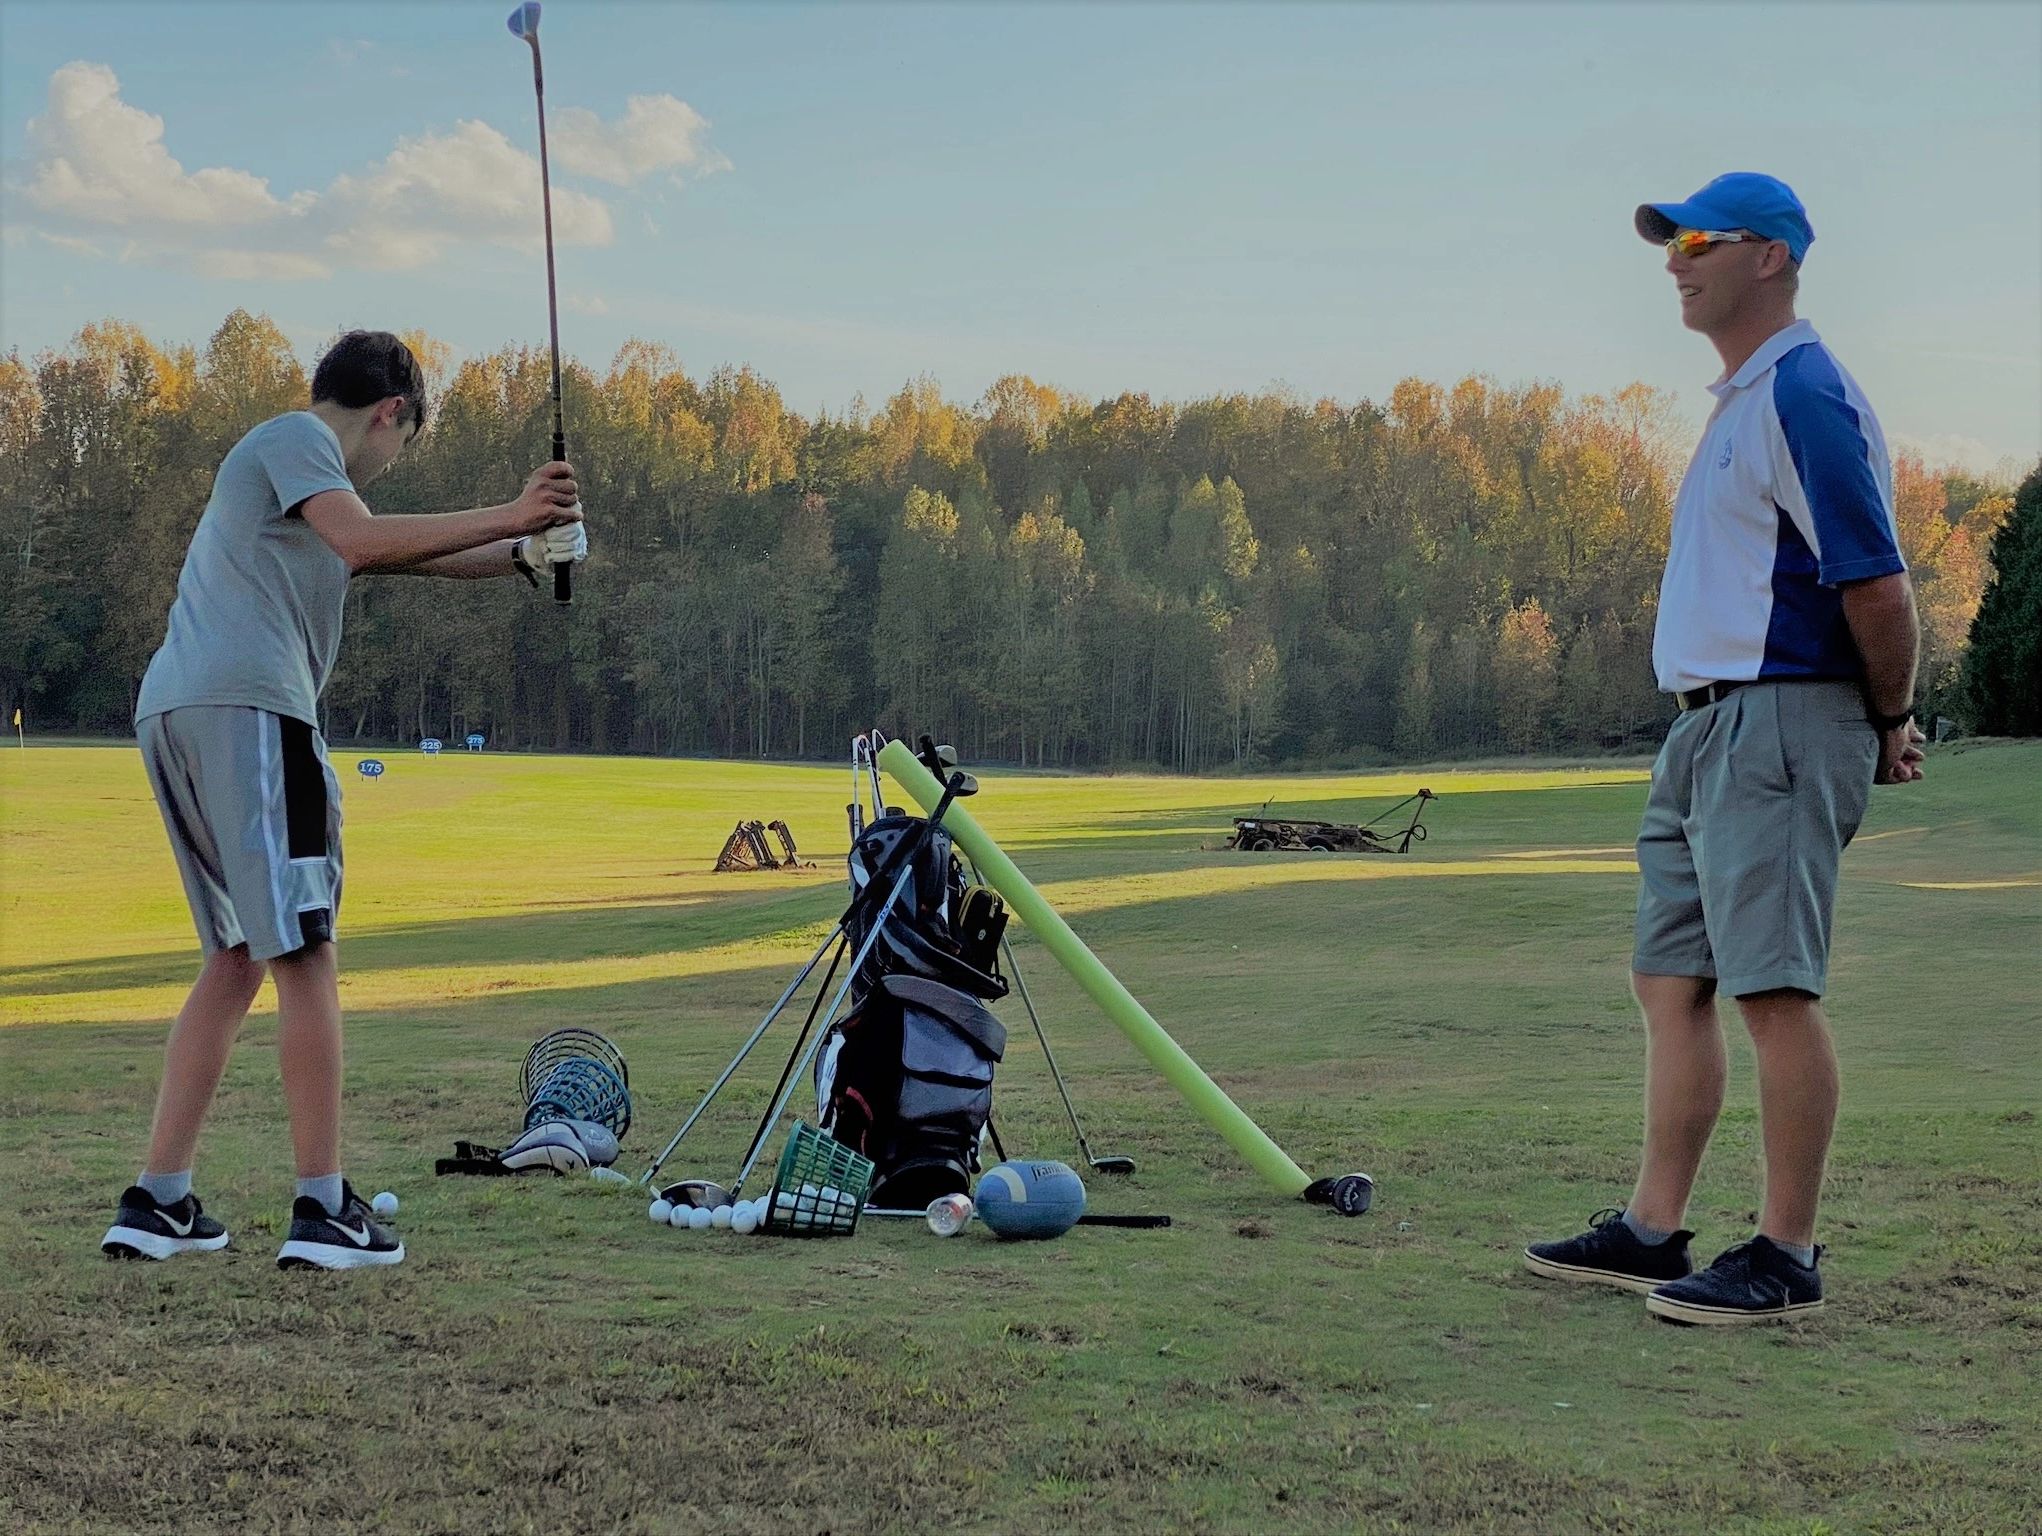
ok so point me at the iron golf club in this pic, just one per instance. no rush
(524, 23)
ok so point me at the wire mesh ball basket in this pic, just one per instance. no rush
(575, 1074)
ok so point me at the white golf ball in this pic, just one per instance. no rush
(384, 1204)
(745, 1221)
(698, 1218)
(722, 1216)
(678, 1217)
(660, 1212)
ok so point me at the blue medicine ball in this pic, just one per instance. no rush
(1030, 1199)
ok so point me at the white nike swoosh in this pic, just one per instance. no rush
(360, 1239)
(181, 1229)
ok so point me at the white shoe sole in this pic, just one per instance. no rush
(1578, 1275)
(300, 1255)
(132, 1242)
(1689, 1312)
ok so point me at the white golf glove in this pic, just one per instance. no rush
(562, 544)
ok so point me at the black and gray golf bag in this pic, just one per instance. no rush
(906, 1076)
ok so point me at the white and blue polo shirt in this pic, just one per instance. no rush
(1790, 495)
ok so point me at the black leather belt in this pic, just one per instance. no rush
(1709, 693)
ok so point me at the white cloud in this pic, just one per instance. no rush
(69, 243)
(438, 189)
(100, 161)
(656, 133)
(585, 304)
(251, 266)
(96, 163)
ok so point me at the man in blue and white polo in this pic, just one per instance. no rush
(1787, 637)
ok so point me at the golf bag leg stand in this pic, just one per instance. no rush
(744, 1050)
(1105, 1165)
(908, 854)
(1110, 1165)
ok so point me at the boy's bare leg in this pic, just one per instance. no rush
(196, 1055)
(309, 1056)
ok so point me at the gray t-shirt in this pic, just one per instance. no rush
(260, 598)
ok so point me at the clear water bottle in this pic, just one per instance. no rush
(949, 1215)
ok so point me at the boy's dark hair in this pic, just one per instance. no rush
(363, 367)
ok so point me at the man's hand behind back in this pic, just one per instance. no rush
(1900, 754)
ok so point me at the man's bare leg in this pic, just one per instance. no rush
(1685, 1069)
(1798, 1092)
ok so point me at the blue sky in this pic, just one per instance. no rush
(1182, 199)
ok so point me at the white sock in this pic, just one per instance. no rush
(326, 1190)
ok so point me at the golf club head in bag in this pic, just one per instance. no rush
(921, 935)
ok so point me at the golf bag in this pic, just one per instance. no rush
(906, 1076)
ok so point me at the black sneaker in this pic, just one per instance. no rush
(1755, 1282)
(142, 1229)
(1609, 1254)
(350, 1240)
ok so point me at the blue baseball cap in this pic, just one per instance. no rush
(1765, 205)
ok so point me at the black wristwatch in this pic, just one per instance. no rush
(524, 566)
(1884, 723)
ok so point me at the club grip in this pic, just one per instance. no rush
(563, 573)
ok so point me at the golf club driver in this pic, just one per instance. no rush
(524, 23)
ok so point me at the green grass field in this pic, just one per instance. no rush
(1456, 1022)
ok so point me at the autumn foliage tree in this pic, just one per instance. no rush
(1459, 569)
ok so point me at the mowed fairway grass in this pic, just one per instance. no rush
(1455, 1022)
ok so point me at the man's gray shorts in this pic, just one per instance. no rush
(253, 811)
(1754, 799)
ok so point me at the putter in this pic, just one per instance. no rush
(524, 23)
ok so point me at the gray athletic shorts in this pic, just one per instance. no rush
(1754, 799)
(253, 811)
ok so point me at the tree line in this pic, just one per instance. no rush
(1458, 570)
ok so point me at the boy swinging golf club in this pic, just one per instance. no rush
(228, 724)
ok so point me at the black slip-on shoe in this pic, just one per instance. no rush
(1609, 1253)
(1755, 1282)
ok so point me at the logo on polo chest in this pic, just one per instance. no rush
(1723, 458)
